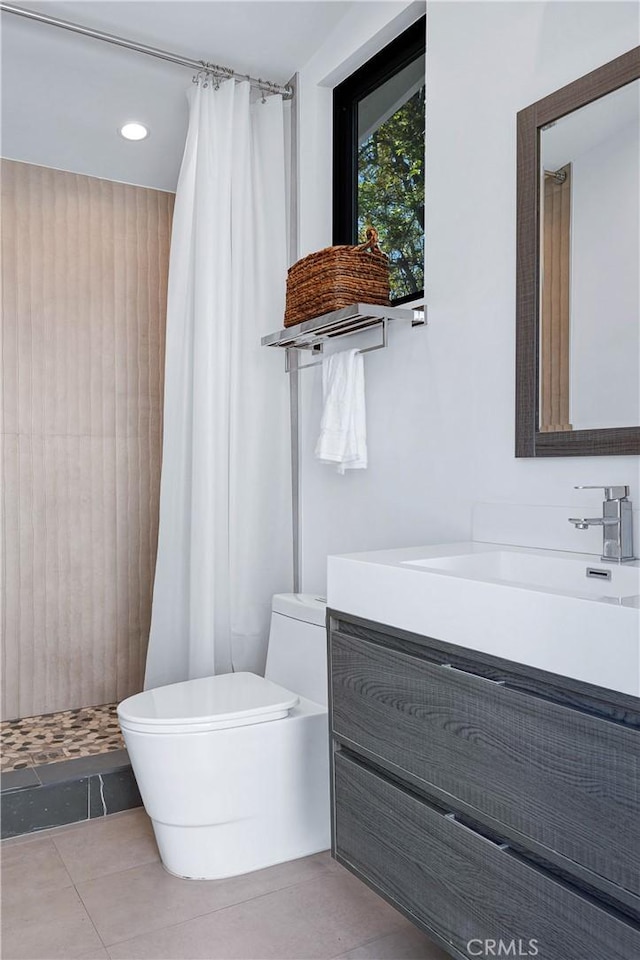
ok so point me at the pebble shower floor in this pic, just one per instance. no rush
(32, 741)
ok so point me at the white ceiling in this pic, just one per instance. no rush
(65, 96)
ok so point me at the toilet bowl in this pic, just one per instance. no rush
(233, 770)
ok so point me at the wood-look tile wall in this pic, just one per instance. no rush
(84, 272)
(555, 303)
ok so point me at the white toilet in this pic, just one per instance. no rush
(234, 769)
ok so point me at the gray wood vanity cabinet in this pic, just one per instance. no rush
(487, 800)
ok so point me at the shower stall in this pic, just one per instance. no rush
(84, 277)
(85, 264)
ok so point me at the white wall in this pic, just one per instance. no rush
(605, 289)
(440, 400)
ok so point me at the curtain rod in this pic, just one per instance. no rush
(267, 86)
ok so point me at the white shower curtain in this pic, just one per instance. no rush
(225, 529)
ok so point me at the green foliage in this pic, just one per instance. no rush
(391, 193)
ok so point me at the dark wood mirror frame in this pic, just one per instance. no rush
(530, 442)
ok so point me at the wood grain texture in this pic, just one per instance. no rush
(530, 442)
(565, 779)
(84, 269)
(460, 885)
(623, 708)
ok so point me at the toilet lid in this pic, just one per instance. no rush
(228, 700)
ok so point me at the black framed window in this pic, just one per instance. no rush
(378, 157)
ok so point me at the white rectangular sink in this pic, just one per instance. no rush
(594, 579)
(531, 606)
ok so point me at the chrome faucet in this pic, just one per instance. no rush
(616, 522)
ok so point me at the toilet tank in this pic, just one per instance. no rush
(297, 651)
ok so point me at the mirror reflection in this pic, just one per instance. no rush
(589, 350)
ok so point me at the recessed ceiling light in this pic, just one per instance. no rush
(134, 131)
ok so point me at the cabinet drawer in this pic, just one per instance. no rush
(460, 885)
(566, 779)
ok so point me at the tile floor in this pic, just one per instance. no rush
(84, 732)
(97, 890)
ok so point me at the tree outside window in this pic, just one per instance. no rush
(378, 158)
(391, 193)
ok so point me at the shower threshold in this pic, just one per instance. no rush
(63, 768)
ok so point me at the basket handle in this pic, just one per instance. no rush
(371, 243)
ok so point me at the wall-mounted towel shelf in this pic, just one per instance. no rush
(311, 335)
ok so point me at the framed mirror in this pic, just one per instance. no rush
(578, 267)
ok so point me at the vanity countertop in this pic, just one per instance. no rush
(532, 606)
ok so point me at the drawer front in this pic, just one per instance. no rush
(566, 779)
(460, 885)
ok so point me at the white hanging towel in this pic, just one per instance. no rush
(343, 429)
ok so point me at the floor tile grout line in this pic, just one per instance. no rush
(113, 873)
(66, 869)
(365, 943)
(91, 921)
(207, 913)
(158, 859)
(72, 882)
(324, 875)
(102, 819)
(64, 866)
(72, 827)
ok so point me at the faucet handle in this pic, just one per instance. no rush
(610, 493)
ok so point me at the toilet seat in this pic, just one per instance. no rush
(206, 703)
